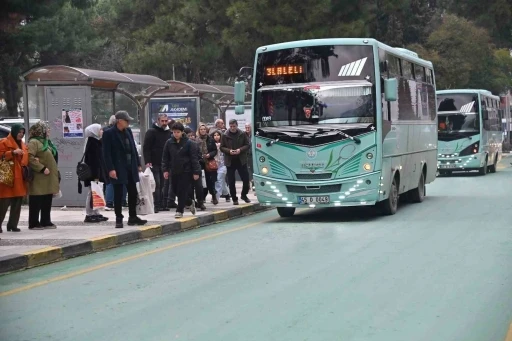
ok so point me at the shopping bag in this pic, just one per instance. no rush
(57, 195)
(145, 204)
(151, 177)
(98, 197)
(203, 179)
(6, 172)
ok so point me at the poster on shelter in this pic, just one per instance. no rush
(184, 110)
(72, 123)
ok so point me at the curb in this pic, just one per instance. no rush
(51, 254)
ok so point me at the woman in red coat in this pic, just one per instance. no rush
(14, 150)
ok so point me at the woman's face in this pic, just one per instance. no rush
(202, 131)
(216, 136)
(20, 135)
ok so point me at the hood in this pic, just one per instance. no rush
(160, 128)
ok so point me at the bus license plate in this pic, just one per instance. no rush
(314, 200)
(447, 166)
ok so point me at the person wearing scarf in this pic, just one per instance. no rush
(208, 152)
(13, 150)
(43, 156)
(93, 157)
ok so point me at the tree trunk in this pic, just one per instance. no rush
(10, 87)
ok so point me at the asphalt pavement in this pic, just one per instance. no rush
(439, 270)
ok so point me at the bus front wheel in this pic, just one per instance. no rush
(286, 212)
(390, 205)
(483, 170)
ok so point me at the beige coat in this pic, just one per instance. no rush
(42, 184)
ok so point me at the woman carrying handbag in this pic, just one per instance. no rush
(208, 151)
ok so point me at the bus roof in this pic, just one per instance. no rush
(399, 52)
(467, 91)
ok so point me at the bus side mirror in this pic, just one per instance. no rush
(239, 109)
(239, 92)
(391, 89)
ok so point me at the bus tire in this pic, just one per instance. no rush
(494, 166)
(390, 205)
(483, 170)
(286, 212)
(417, 195)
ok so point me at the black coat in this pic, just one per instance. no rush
(94, 159)
(115, 156)
(153, 146)
(182, 157)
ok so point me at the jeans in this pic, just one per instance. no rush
(181, 184)
(169, 195)
(220, 185)
(132, 198)
(244, 175)
(197, 188)
(109, 195)
(158, 195)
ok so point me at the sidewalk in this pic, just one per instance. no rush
(73, 237)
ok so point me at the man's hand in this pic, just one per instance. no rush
(18, 152)
(166, 175)
(237, 151)
(206, 156)
(149, 164)
(112, 174)
(46, 171)
(196, 176)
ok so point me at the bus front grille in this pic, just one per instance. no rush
(311, 177)
(314, 189)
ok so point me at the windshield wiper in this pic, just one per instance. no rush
(342, 133)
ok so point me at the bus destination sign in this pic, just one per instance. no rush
(284, 70)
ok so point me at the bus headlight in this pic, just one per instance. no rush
(367, 167)
(264, 170)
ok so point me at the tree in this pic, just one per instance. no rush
(32, 32)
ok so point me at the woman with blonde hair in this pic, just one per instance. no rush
(208, 152)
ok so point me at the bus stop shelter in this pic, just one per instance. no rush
(70, 99)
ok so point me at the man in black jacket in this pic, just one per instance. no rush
(123, 165)
(180, 162)
(153, 149)
(235, 146)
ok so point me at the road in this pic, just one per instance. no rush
(439, 270)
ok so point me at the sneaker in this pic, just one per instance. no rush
(102, 218)
(235, 202)
(52, 226)
(228, 199)
(193, 207)
(202, 207)
(178, 215)
(244, 198)
(136, 221)
(92, 219)
(109, 208)
(119, 223)
(215, 201)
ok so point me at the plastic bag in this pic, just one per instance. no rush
(145, 203)
(98, 197)
(57, 195)
(151, 177)
(203, 179)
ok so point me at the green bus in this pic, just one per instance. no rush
(342, 122)
(470, 131)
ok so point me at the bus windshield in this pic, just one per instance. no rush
(451, 123)
(334, 103)
(463, 103)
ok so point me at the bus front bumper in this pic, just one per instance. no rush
(460, 163)
(355, 191)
